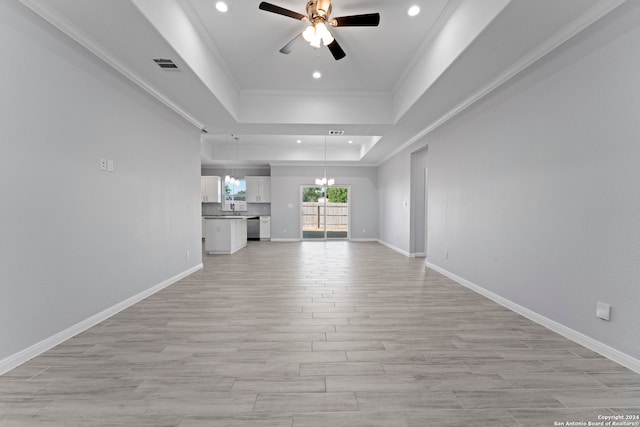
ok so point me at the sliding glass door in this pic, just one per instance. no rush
(324, 212)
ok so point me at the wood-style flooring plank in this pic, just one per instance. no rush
(316, 334)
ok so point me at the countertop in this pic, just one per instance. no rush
(231, 216)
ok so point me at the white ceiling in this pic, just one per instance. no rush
(249, 39)
(398, 81)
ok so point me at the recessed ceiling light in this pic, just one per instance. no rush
(413, 10)
(317, 75)
(350, 142)
(299, 141)
(222, 6)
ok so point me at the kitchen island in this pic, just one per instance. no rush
(225, 234)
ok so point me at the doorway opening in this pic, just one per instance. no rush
(324, 212)
(426, 209)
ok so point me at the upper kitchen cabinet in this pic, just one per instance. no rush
(258, 189)
(210, 189)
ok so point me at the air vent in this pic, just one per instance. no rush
(336, 132)
(166, 64)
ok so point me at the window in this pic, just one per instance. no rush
(239, 192)
(235, 196)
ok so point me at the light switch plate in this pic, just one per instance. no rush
(110, 165)
(603, 311)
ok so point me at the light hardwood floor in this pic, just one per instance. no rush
(316, 334)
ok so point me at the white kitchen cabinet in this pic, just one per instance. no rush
(265, 227)
(225, 235)
(210, 189)
(258, 189)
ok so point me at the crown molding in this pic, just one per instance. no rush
(189, 10)
(594, 14)
(315, 163)
(50, 15)
(445, 14)
(315, 93)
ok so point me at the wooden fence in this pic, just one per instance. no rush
(313, 216)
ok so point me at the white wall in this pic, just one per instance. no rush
(401, 202)
(418, 202)
(285, 198)
(394, 203)
(74, 240)
(534, 192)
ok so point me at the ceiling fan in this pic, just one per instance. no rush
(318, 16)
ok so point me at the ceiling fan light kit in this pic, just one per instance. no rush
(318, 16)
(314, 33)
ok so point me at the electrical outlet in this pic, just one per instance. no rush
(188, 254)
(603, 311)
(446, 254)
(364, 231)
(103, 164)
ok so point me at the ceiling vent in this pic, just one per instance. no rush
(336, 132)
(166, 64)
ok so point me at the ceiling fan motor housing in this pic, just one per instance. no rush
(318, 10)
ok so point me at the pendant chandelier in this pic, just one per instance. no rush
(324, 181)
(229, 178)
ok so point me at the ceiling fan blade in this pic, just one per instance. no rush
(366, 20)
(336, 50)
(280, 10)
(287, 48)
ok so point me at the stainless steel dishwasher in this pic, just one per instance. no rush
(253, 228)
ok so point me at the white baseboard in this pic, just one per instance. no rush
(390, 246)
(322, 240)
(29, 353)
(575, 336)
